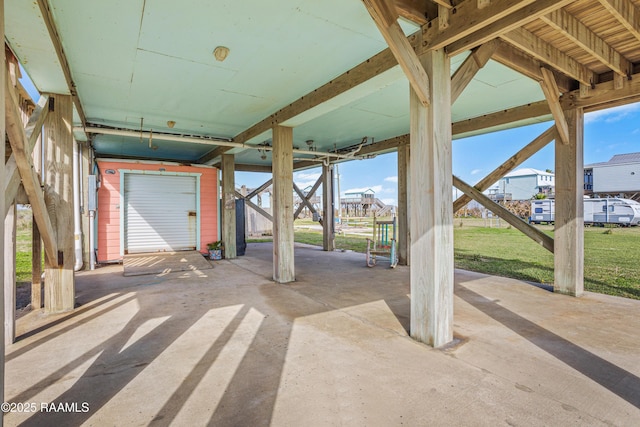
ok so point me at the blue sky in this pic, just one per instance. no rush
(607, 132)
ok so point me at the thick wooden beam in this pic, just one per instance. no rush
(259, 190)
(59, 283)
(9, 225)
(418, 11)
(582, 35)
(530, 231)
(385, 16)
(328, 222)
(30, 180)
(510, 22)
(525, 64)
(36, 267)
(499, 118)
(467, 19)
(404, 236)
(510, 164)
(569, 216)
(431, 204)
(544, 52)
(47, 16)
(604, 95)
(33, 130)
(3, 95)
(626, 13)
(552, 94)
(217, 152)
(470, 67)
(228, 206)
(282, 203)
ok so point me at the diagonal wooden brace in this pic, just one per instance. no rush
(30, 181)
(530, 231)
(32, 130)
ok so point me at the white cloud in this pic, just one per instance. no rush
(305, 179)
(476, 171)
(612, 115)
(391, 179)
(389, 202)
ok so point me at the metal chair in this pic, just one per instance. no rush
(383, 243)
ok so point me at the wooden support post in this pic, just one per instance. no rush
(282, 203)
(404, 237)
(10, 275)
(228, 206)
(85, 163)
(569, 221)
(431, 207)
(59, 278)
(36, 267)
(3, 76)
(328, 222)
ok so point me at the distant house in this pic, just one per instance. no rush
(523, 184)
(619, 177)
(366, 194)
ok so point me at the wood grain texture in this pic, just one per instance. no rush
(517, 19)
(588, 40)
(59, 290)
(229, 206)
(282, 202)
(529, 230)
(30, 180)
(328, 234)
(33, 130)
(548, 54)
(404, 235)
(385, 17)
(569, 219)
(431, 208)
(10, 275)
(552, 94)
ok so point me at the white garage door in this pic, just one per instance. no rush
(159, 213)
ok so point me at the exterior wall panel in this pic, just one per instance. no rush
(109, 201)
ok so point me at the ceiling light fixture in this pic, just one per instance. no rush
(221, 53)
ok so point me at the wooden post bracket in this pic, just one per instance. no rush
(552, 94)
(386, 16)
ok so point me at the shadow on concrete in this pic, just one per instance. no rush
(617, 380)
(254, 384)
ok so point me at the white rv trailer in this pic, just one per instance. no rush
(542, 211)
(596, 211)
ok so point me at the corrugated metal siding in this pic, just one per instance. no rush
(619, 178)
(160, 213)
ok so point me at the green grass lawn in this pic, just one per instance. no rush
(611, 255)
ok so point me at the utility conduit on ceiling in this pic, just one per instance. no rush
(207, 140)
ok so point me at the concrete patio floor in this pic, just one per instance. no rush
(228, 347)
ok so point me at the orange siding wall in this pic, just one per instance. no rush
(109, 204)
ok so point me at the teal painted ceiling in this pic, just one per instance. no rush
(153, 59)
